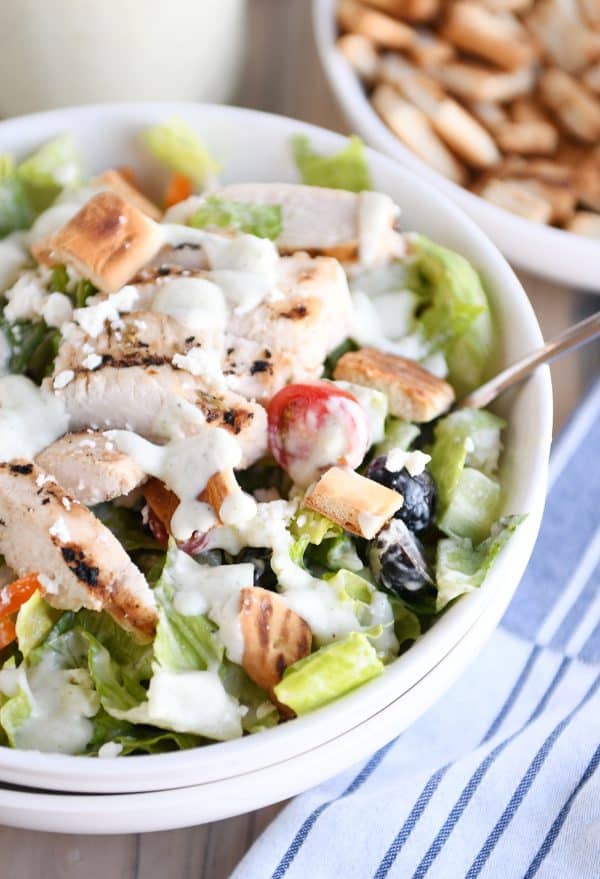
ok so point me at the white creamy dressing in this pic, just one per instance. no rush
(13, 258)
(205, 365)
(328, 612)
(61, 703)
(188, 701)
(185, 466)
(214, 591)
(31, 418)
(376, 214)
(196, 303)
(374, 404)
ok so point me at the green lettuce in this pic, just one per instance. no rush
(34, 622)
(127, 526)
(399, 434)
(407, 626)
(309, 527)
(264, 221)
(137, 738)
(473, 507)
(13, 714)
(47, 171)
(178, 147)
(261, 712)
(335, 554)
(462, 567)
(454, 316)
(328, 674)
(16, 210)
(346, 169)
(478, 432)
(33, 345)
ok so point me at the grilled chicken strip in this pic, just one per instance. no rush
(287, 339)
(81, 563)
(90, 468)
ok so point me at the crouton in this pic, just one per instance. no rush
(533, 138)
(428, 50)
(591, 78)
(107, 241)
(576, 108)
(564, 38)
(585, 223)
(514, 196)
(360, 54)
(382, 29)
(274, 636)
(411, 126)
(115, 181)
(410, 10)
(412, 392)
(496, 37)
(358, 504)
(478, 83)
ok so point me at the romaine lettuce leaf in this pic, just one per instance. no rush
(127, 526)
(335, 554)
(308, 527)
(478, 431)
(261, 712)
(472, 508)
(264, 221)
(454, 316)
(13, 714)
(16, 210)
(178, 147)
(346, 169)
(34, 346)
(34, 622)
(407, 626)
(328, 674)
(461, 567)
(116, 686)
(137, 738)
(399, 434)
(52, 167)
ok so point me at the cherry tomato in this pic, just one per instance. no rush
(314, 426)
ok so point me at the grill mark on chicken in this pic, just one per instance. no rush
(74, 558)
(296, 313)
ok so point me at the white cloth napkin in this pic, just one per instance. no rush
(497, 779)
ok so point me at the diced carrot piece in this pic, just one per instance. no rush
(178, 189)
(8, 632)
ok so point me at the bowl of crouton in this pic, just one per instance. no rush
(495, 102)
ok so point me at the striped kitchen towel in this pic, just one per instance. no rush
(497, 780)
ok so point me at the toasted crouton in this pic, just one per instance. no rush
(516, 197)
(115, 181)
(590, 9)
(588, 180)
(412, 392)
(565, 39)
(410, 10)
(477, 83)
(219, 488)
(382, 29)
(358, 504)
(585, 223)
(490, 114)
(533, 138)
(410, 125)
(360, 54)
(497, 37)
(508, 5)
(274, 636)
(428, 50)
(591, 78)
(107, 241)
(576, 108)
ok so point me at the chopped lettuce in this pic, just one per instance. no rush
(137, 738)
(16, 210)
(328, 674)
(473, 507)
(264, 221)
(335, 554)
(182, 642)
(455, 315)
(352, 585)
(127, 526)
(467, 498)
(261, 712)
(462, 567)
(346, 169)
(33, 345)
(117, 686)
(407, 626)
(178, 147)
(52, 167)
(79, 293)
(399, 434)
(34, 623)
(309, 527)
(14, 713)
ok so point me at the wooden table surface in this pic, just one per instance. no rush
(282, 75)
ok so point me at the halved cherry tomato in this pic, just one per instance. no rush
(17, 593)
(178, 189)
(8, 632)
(314, 426)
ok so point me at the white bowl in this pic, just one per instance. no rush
(253, 145)
(544, 250)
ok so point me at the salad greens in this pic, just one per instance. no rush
(178, 147)
(346, 169)
(264, 221)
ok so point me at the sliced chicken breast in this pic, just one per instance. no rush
(90, 468)
(287, 340)
(157, 402)
(81, 563)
